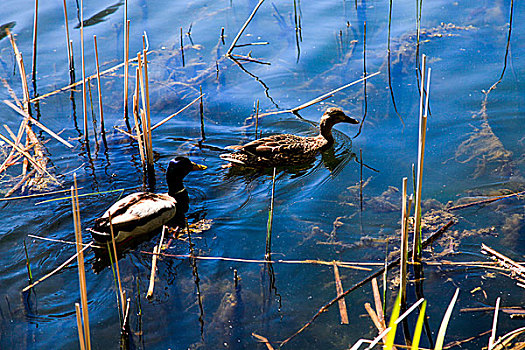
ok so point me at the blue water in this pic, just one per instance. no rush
(317, 209)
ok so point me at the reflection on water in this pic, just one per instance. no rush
(334, 208)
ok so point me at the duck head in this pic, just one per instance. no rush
(178, 168)
(332, 116)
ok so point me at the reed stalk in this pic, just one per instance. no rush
(419, 326)
(136, 113)
(181, 47)
(84, 102)
(256, 118)
(416, 249)
(35, 31)
(201, 110)
(339, 289)
(28, 265)
(361, 178)
(492, 338)
(100, 109)
(66, 26)
(80, 260)
(126, 63)
(222, 36)
(404, 242)
(444, 322)
(81, 339)
(238, 36)
(21, 68)
(176, 113)
(269, 225)
(156, 252)
(114, 245)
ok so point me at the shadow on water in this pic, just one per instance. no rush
(100, 16)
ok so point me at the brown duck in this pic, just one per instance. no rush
(287, 149)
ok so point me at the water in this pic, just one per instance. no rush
(317, 209)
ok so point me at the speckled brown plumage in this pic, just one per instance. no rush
(288, 149)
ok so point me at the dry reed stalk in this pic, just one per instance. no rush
(263, 340)
(416, 253)
(376, 320)
(504, 261)
(147, 130)
(492, 338)
(256, 118)
(80, 260)
(64, 264)
(156, 251)
(114, 245)
(84, 102)
(37, 123)
(102, 128)
(35, 30)
(238, 36)
(181, 47)
(176, 113)
(66, 25)
(201, 110)
(126, 62)
(79, 327)
(339, 288)
(28, 157)
(404, 243)
(136, 111)
(125, 324)
(378, 303)
(143, 114)
(20, 62)
(320, 98)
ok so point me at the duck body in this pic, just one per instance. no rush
(288, 149)
(141, 213)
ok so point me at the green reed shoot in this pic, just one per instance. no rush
(444, 323)
(419, 326)
(270, 221)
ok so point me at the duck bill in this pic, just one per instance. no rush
(198, 166)
(350, 120)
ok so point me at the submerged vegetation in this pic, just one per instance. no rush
(248, 300)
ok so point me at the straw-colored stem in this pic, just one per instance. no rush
(492, 338)
(404, 242)
(339, 289)
(136, 116)
(80, 260)
(84, 102)
(100, 109)
(37, 123)
(156, 251)
(20, 62)
(66, 25)
(237, 37)
(148, 119)
(35, 31)
(176, 113)
(416, 253)
(79, 327)
(114, 245)
(126, 62)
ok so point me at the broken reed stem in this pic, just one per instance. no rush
(492, 338)
(66, 25)
(64, 264)
(125, 324)
(136, 111)
(269, 225)
(201, 110)
(181, 47)
(35, 31)
(20, 62)
(176, 113)
(256, 118)
(80, 260)
(102, 128)
(28, 265)
(84, 102)
(156, 251)
(126, 62)
(404, 243)
(37, 123)
(320, 98)
(237, 37)
(79, 327)
(416, 248)
(339, 289)
(114, 245)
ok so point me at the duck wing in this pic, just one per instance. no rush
(282, 144)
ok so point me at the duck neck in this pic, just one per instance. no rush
(326, 132)
(179, 193)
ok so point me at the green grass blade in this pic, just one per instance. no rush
(444, 324)
(419, 327)
(393, 318)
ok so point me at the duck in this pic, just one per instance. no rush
(143, 212)
(288, 149)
